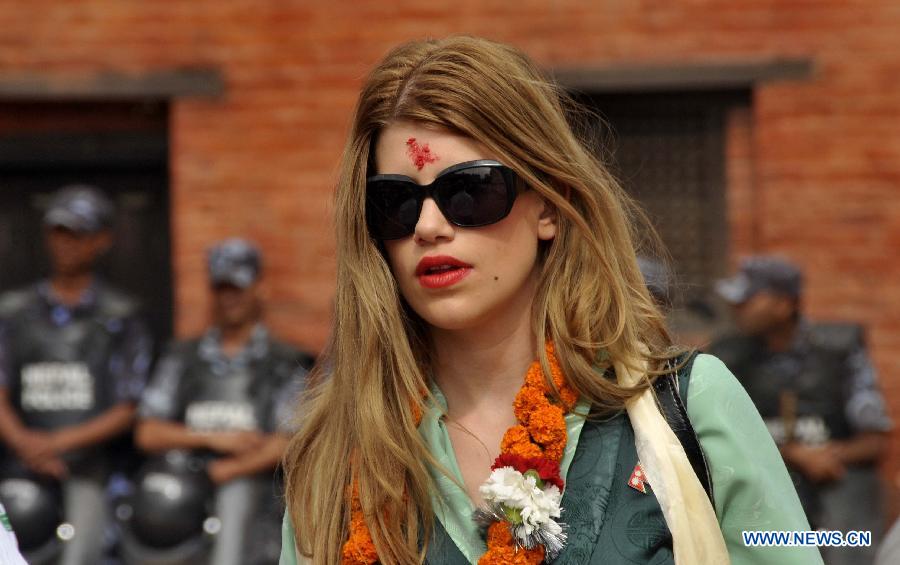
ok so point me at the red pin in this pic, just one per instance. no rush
(638, 480)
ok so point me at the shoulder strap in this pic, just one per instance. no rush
(673, 409)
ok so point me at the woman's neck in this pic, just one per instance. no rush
(482, 368)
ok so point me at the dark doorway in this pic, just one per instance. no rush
(121, 148)
(668, 150)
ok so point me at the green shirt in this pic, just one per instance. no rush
(752, 489)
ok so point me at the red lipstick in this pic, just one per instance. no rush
(440, 271)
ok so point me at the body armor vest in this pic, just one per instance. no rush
(241, 398)
(815, 374)
(60, 373)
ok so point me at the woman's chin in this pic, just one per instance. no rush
(452, 319)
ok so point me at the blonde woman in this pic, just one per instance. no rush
(487, 393)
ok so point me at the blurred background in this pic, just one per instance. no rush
(744, 127)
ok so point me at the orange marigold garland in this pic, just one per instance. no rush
(517, 440)
(359, 547)
(503, 550)
(519, 533)
(525, 486)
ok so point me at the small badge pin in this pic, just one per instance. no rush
(638, 480)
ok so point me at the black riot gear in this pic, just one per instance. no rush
(200, 387)
(63, 369)
(34, 507)
(61, 365)
(171, 501)
(816, 377)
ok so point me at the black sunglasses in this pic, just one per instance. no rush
(469, 195)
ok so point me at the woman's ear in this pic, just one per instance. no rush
(547, 221)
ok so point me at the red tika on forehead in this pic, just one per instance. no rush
(420, 155)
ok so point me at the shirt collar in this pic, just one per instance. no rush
(256, 347)
(62, 313)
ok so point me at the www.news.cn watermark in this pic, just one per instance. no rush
(824, 538)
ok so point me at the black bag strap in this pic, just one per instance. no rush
(673, 409)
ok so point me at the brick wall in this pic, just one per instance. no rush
(813, 167)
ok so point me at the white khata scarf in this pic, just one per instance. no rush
(696, 536)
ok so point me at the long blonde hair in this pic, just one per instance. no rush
(358, 422)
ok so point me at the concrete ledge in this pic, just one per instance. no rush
(657, 77)
(111, 85)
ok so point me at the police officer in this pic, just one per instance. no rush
(227, 397)
(816, 388)
(74, 356)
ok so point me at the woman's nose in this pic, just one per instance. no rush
(432, 224)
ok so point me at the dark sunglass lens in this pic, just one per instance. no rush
(475, 197)
(392, 209)
(408, 212)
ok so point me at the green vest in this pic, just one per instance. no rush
(609, 522)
